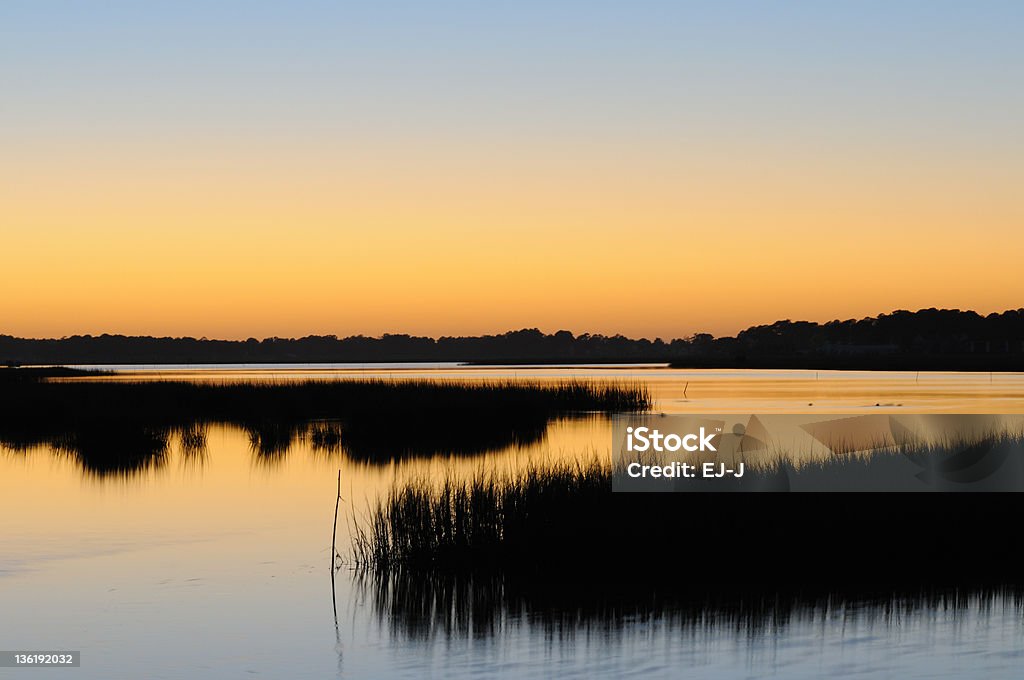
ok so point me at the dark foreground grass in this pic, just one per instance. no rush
(554, 547)
(118, 427)
(561, 530)
(489, 521)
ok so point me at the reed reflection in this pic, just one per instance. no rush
(120, 428)
(418, 607)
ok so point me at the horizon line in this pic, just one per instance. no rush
(509, 331)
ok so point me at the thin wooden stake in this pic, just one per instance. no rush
(334, 537)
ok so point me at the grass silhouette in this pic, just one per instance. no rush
(118, 426)
(562, 524)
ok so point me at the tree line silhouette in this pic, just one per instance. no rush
(948, 339)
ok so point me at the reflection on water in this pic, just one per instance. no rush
(686, 391)
(120, 427)
(119, 447)
(127, 449)
(210, 563)
(895, 635)
(423, 608)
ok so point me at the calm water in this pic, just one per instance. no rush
(218, 565)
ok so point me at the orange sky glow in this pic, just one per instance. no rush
(217, 183)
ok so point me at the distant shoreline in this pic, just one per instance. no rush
(897, 365)
(928, 339)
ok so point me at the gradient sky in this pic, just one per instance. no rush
(235, 169)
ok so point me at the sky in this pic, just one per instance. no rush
(237, 169)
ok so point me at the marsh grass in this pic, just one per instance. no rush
(179, 402)
(110, 425)
(967, 448)
(562, 524)
(957, 462)
(486, 520)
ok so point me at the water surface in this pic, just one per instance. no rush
(217, 564)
